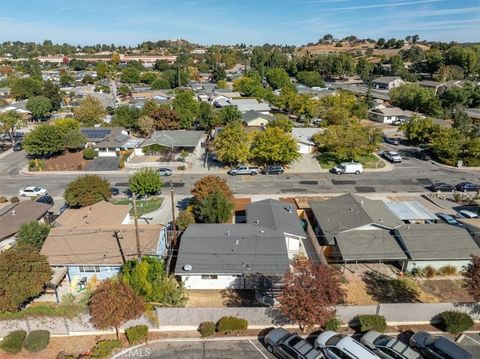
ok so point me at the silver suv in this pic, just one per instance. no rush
(244, 170)
(287, 345)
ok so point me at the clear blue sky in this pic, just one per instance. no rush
(234, 21)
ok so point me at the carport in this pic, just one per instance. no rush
(411, 212)
(59, 274)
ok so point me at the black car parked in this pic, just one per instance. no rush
(115, 191)
(422, 155)
(274, 170)
(467, 187)
(45, 199)
(17, 146)
(441, 187)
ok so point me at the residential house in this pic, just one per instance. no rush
(108, 141)
(256, 119)
(221, 256)
(4, 91)
(244, 105)
(19, 107)
(387, 82)
(473, 113)
(304, 136)
(152, 94)
(389, 114)
(13, 215)
(98, 239)
(175, 140)
(432, 85)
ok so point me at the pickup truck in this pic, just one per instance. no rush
(244, 170)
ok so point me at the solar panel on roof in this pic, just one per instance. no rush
(100, 133)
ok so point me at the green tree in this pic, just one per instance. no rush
(126, 116)
(39, 106)
(433, 59)
(282, 122)
(310, 78)
(74, 140)
(66, 79)
(277, 78)
(464, 57)
(146, 125)
(222, 84)
(90, 112)
(397, 65)
(160, 84)
(101, 69)
(33, 233)
(148, 77)
(10, 122)
(447, 143)
(273, 145)
(113, 303)
(23, 276)
(186, 108)
(218, 74)
(145, 181)
(25, 87)
(149, 279)
(130, 75)
(364, 69)
(207, 118)
(454, 97)
(44, 140)
(67, 124)
(185, 218)
(232, 144)
(87, 190)
(229, 114)
(419, 130)
(472, 278)
(413, 97)
(462, 122)
(52, 92)
(450, 72)
(215, 208)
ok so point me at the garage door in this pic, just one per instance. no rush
(304, 149)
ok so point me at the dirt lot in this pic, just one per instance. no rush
(220, 298)
(69, 161)
(445, 290)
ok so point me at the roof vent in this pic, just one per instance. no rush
(227, 232)
(256, 221)
(187, 268)
(262, 231)
(237, 242)
(361, 203)
(290, 209)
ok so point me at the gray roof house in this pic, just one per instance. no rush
(389, 114)
(174, 138)
(433, 85)
(304, 135)
(107, 141)
(387, 82)
(256, 119)
(20, 107)
(243, 104)
(219, 256)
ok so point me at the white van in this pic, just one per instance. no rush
(348, 167)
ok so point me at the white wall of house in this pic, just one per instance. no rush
(378, 117)
(305, 149)
(213, 282)
(107, 152)
(258, 122)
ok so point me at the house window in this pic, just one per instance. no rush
(89, 269)
(209, 276)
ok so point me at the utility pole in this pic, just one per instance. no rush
(115, 234)
(135, 220)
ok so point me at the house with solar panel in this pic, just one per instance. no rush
(108, 141)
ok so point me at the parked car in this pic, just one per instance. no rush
(32, 191)
(392, 140)
(274, 170)
(422, 155)
(437, 347)
(467, 214)
(388, 347)
(244, 170)
(343, 346)
(115, 191)
(392, 156)
(17, 146)
(441, 187)
(348, 167)
(448, 219)
(165, 171)
(45, 199)
(467, 187)
(287, 345)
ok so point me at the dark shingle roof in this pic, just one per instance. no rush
(105, 137)
(174, 138)
(274, 214)
(350, 211)
(14, 215)
(373, 245)
(437, 241)
(231, 249)
(251, 115)
(385, 79)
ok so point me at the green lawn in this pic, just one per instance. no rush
(144, 206)
(45, 310)
(329, 160)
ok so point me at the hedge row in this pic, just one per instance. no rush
(35, 341)
(226, 325)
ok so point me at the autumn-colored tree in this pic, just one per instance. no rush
(209, 184)
(113, 303)
(232, 144)
(273, 145)
(472, 278)
(165, 118)
(23, 275)
(87, 190)
(90, 112)
(310, 294)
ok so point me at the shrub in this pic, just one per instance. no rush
(429, 272)
(12, 343)
(372, 322)
(206, 329)
(137, 334)
(455, 322)
(14, 199)
(231, 324)
(332, 324)
(447, 270)
(104, 348)
(89, 153)
(3, 199)
(181, 168)
(37, 340)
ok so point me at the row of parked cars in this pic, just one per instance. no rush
(460, 187)
(372, 345)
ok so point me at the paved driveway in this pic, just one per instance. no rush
(251, 349)
(103, 164)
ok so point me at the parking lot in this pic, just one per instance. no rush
(471, 342)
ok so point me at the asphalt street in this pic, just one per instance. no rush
(412, 175)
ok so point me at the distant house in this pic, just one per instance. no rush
(90, 241)
(387, 82)
(221, 256)
(473, 113)
(256, 119)
(244, 105)
(432, 85)
(174, 140)
(108, 141)
(4, 91)
(12, 216)
(389, 114)
(152, 94)
(19, 107)
(304, 135)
